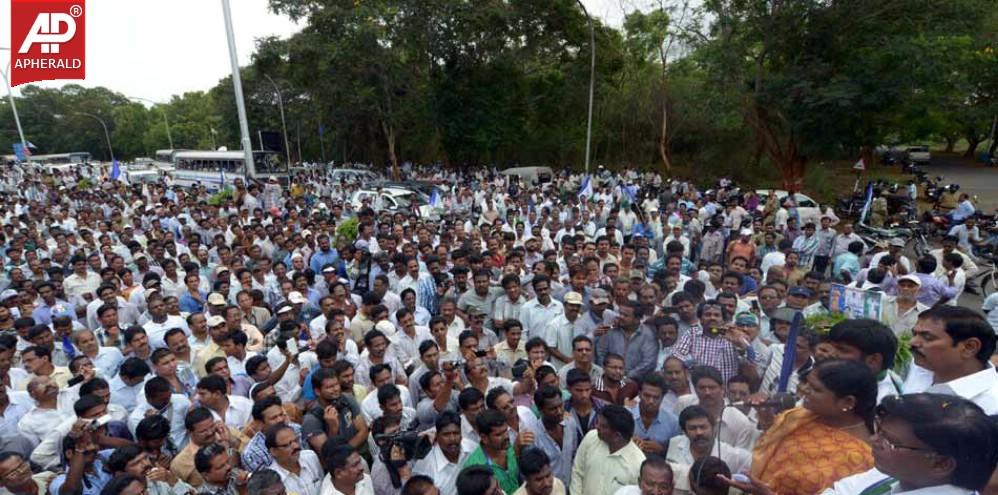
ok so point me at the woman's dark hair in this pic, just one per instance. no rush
(845, 378)
(952, 427)
(119, 483)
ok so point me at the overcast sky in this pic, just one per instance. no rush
(157, 48)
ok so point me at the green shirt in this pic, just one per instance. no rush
(508, 478)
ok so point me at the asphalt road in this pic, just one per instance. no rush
(973, 179)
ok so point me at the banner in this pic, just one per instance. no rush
(856, 303)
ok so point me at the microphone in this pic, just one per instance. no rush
(779, 401)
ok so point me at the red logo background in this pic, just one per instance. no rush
(22, 18)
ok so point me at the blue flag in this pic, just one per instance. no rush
(435, 199)
(115, 170)
(790, 353)
(20, 152)
(586, 191)
(867, 203)
(221, 177)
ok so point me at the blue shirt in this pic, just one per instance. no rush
(190, 305)
(43, 314)
(322, 258)
(91, 484)
(848, 262)
(664, 427)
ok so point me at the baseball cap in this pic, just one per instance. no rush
(385, 327)
(910, 278)
(784, 314)
(746, 319)
(284, 308)
(746, 231)
(216, 299)
(573, 298)
(800, 292)
(599, 296)
(295, 297)
(475, 311)
(896, 242)
(215, 320)
(7, 294)
(221, 269)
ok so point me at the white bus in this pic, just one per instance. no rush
(210, 168)
(72, 158)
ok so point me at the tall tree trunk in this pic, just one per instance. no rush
(950, 143)
(392, 157)
(663, 140)
(972, 143)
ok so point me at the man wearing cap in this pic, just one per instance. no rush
(217, 331)
(901, 311)
(895, 248)
(743, 246)
(597, 320)
(798, 297)
(558, 333)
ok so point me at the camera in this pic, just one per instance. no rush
(519, 368)
(414, 445)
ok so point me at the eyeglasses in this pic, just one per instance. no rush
(879, 436)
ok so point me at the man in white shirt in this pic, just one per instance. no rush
(298, 468)
(234, 411)
(40, 419)
(449, 452)
(698, 442)
(925, 444)
(158, 399)
(952, 347)
(346, 473)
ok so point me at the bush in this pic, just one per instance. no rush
(347, 230)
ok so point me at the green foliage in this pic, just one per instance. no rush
(752, 90)
(346, 231)
(220, 197)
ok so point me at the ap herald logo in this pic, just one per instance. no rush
(47, 40)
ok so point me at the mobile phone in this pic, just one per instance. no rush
(292, 346)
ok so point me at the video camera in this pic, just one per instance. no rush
(414, 445)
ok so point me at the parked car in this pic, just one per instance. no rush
(395, 199)
(918, 154)
(808, 209)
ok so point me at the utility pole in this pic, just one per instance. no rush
(237, 85)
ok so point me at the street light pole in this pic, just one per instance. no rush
(165, 119)
(107, 135)
(237, 85)
(592, 81)
(13, 106)
(284, 125)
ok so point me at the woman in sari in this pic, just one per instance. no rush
(808, 448)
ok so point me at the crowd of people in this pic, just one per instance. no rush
(646, 336)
